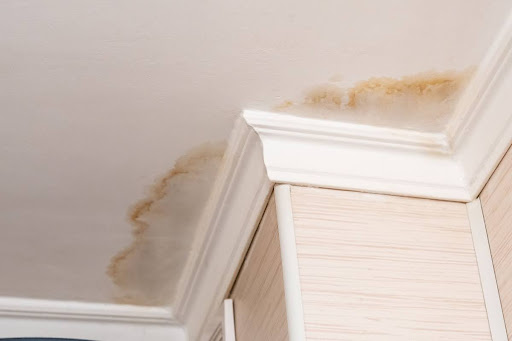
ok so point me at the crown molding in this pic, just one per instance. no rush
(23, 317)
(480, 132)
(267, 148)
(236, 205)
(331, 154)
(483, 83)
(55, 309)
(336, 132)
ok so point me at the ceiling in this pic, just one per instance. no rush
(100, 98)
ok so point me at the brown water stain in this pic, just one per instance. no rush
(437, 86)
(325, 95)
(424, 101)
(146, 272)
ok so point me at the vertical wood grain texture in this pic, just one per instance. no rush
(377, 267)
(496, 199)
(258, 293)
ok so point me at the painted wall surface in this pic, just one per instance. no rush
(99, 99)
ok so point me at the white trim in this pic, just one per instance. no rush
(22, 317)
(330, 154)
(229, 321)
(235, 208)
(486, 269)
(267, 148)
(468, 108)
(481, 130)
(308, 129)
(19, 327)
(36, 308)
(291, 278)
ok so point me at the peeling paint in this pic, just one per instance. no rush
(146, 272)
(422, 102)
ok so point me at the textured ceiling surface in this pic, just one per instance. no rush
(100, 98)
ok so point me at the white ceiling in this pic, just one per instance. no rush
(99, 98)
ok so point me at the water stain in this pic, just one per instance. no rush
(146, 272)
(424, 101)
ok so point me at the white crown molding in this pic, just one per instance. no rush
(23, 317)
(481, 85)
(481, 130)
(235, 207)
(37, 308)
(267, 148)
(331, 154)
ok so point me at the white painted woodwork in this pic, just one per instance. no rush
(258, 293)
(88, 330)
(21, 317)
(291, 277)
(481, 130)
(377, 267)
(340, 155)
(496, 199)
(228, 326)
(486, 270)
(236, 205)
(72, 310)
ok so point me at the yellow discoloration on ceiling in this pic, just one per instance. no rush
(424, 101)
(163, 227)
(431, 86)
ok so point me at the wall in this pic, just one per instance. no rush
(258, 293)
(377, 267)
(496, 199)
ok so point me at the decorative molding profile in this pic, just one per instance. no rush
(36, 308)
(314, 152)
(236, 205)
(22, 317)
(267, 148)
(481, 130)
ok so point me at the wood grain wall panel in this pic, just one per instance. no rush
(258, 293)
(496, 199)
(377, 267)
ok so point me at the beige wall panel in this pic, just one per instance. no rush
(496, 201)
(258, 293)
(377, 267)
